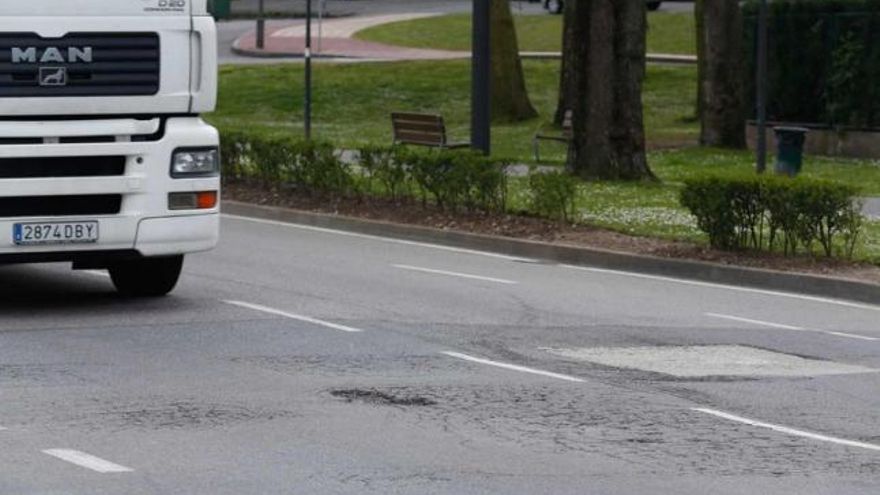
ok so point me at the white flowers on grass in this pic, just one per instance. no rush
(636, 216)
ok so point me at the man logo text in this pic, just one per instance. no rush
(32, 55)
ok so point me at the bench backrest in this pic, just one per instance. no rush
(419, 128)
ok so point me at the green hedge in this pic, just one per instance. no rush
(775, 214)
(824, 61)
(450, 180)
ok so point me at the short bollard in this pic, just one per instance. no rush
(790, 149)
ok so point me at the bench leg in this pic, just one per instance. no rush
(536, 145)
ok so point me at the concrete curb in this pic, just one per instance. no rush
(799, 283)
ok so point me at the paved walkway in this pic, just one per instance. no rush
(335, 39)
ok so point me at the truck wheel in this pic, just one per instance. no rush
(654, 5)
(149, 277)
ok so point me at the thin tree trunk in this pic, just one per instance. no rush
(609, 139)
(722, 107)
(510, 99)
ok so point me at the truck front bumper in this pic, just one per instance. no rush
(143, 225)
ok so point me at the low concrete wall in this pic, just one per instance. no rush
(826, 142)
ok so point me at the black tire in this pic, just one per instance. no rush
(654, 5)
(148, 277)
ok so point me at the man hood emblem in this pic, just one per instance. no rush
(53, 76)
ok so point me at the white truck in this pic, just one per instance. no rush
(104, 160)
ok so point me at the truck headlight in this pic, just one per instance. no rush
(195, 162)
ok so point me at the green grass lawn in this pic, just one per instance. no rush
(667, 33)
(353, 101)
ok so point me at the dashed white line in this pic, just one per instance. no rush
(786, 430)
(87, 461)
(455, 274)
(727, 287)
(789, 327)
(378, 238)
(292, 316)
(514, 367)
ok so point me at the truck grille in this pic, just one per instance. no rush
(79, 64)
(57, 206)
(69, 166)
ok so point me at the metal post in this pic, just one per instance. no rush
(261, 28)
(481, 72)
(761, 88)
(308, 57)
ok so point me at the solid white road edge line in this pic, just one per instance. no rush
(727, 287)
(87, 461)
(455, 274)
(789, 327)
(786, 430)
(379, 238)
(513, 367)
(305, 319)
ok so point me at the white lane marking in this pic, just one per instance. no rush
(96, 273)
(455, 274)
(3, 428)
(513, 367)
(87, 461)
(728, 287)
(789, 327)
(305, 319)
(382, 239)
(786, 430)
(754, 322)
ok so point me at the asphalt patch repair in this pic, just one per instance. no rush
(381, 398)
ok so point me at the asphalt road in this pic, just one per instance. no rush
(295, 360)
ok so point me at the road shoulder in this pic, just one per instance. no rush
(801, 283)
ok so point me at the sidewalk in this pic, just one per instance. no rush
(335, 39)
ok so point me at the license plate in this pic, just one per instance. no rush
(55, 233)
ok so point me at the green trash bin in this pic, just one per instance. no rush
(220, 9)
(790, 149)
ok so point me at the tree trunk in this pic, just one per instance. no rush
(510, 99)
(569, 66)
(609, 136)
(722, 107)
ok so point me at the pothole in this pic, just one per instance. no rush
(372, 396)
(709, 360)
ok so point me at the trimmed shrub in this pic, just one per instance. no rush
(313, 167)
(772, 213)
(452, 180)
(553, 195)
(387, 167)
(456, 179)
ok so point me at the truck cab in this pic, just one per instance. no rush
(104, 159)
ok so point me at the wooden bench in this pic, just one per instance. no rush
(422, 130)
(565, 137)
